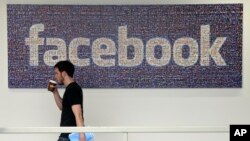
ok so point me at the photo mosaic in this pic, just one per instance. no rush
(127, 46)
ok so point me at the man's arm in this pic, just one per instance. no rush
(77, 110)
(58, 98)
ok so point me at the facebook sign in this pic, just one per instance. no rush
(127, 46)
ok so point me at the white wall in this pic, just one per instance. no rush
(128, 107)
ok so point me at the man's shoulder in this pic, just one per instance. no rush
(75, 84)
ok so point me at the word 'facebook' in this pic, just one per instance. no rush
(101, 55)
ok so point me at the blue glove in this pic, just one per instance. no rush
(76, 136)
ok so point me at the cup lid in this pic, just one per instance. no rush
(52, 81)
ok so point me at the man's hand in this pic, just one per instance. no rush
(82, 137)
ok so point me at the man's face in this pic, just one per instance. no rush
(58, 76)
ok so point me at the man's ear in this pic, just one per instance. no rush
(64, 73)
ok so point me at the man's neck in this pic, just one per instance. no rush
(67, 81)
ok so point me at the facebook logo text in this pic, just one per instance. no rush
(203, 54)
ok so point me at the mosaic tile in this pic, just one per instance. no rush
(127, 46)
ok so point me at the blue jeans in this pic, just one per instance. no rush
(63, 139)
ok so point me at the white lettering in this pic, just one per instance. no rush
(73, 55)
(105, 53)
(193, 51)
(124, 42)
(98, 52)
(213, 51)
(60, 53)
(33, 42)
(166, 51)
(239, 132)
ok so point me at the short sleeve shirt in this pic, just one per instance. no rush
(72, 96)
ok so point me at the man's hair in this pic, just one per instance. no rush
(66, 66)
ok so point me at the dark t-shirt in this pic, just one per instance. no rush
(72, 96)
